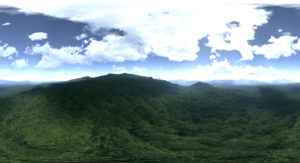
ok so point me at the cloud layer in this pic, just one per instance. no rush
(223, 70)
(169, 29)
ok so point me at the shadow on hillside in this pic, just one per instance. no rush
(277, 100)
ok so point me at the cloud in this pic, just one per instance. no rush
(50, 6)
(85, 41)
(168, 29)
(236, 37)
(138, 70)
(4, 71)
(38, 36)
(7, 51)
(212, 57)
(172, 32)
(111, 49)
(53, 57)
(20, 63)
(223, 70)
(115, 49)
(6, 24)
(119, 69)
(283, 46)
(134, 70)
(81, 36)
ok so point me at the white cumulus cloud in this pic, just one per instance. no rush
(236, 37)
(81, 36)
(115, 49)
(7, 51)
(20, 63)
(111, 49)
(53, 57)
(38, 36)
(283, 46)
(6, 24)
(212, 57)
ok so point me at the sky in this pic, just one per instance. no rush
(55, 40)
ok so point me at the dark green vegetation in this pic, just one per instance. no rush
(132, 118)
(9, 90)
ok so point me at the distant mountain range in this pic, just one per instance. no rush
(220, 83)
(216, 83)
(7, 82)
(236, 82)
(14, 83)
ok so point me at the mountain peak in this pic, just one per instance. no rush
(80, 79)
(201, 85)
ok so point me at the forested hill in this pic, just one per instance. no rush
(107, 87)
(133, 118)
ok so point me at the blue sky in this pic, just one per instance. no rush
(191, 40)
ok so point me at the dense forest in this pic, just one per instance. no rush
(132, 118)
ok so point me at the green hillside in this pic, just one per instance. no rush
(132, 118)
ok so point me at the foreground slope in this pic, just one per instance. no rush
(127, 117)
